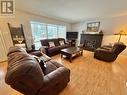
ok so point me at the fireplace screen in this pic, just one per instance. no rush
(90, 44)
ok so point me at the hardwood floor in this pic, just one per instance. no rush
(89, 76)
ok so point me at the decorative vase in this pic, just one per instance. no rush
(101, 32)
(83, 31)
(33, 46)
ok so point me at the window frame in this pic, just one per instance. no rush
(46, 29)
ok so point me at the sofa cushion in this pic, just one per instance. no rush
(61, 39)
(56, 42)
(54, 49)
(49, 68)
(44, 42)
(64, 46)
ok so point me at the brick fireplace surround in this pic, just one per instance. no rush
(91, 41)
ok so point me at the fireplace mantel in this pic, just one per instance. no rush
(91, 41)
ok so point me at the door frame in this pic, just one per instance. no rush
(3, 47)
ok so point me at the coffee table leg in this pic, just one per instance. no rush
(61, 56)
(82, 52)
(70, 58)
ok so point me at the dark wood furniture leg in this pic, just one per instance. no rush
(81, 52)
(70, 58)
(61, 55)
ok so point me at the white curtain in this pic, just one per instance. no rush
(3, 56)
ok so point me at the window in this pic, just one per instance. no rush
(38, 32)
(61, 31)
(52, 31)
(44, 31)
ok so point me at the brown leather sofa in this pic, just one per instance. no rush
(109, 54)
(25, 75)
(50, 51)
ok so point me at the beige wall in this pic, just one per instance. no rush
(2, 48)
(24, 18)
(109, 27)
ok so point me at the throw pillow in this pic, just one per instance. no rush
(61, 42)
(51, 44)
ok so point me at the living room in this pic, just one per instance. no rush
(91, 66)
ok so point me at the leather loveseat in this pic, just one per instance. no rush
(50, 51)
(25, 75)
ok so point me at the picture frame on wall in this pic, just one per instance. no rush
(17, 35)
(93, 26)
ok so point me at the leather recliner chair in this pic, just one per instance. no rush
(109, 54)
(25, 75)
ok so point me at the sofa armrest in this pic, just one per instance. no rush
(109, 46)
(55, 77)
(106, 47)
(56, 64)
(28, 82)
(44, 49)
(67, 43)
(45, 58)
(61, 71)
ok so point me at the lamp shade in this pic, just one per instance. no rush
(121, 32)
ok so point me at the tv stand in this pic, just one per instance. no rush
(72, 42)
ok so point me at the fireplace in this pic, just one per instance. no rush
(91, 41)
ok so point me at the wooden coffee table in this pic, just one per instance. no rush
(71, 52)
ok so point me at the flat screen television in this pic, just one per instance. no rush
(72, 35)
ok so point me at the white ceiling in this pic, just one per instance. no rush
(73, 11)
